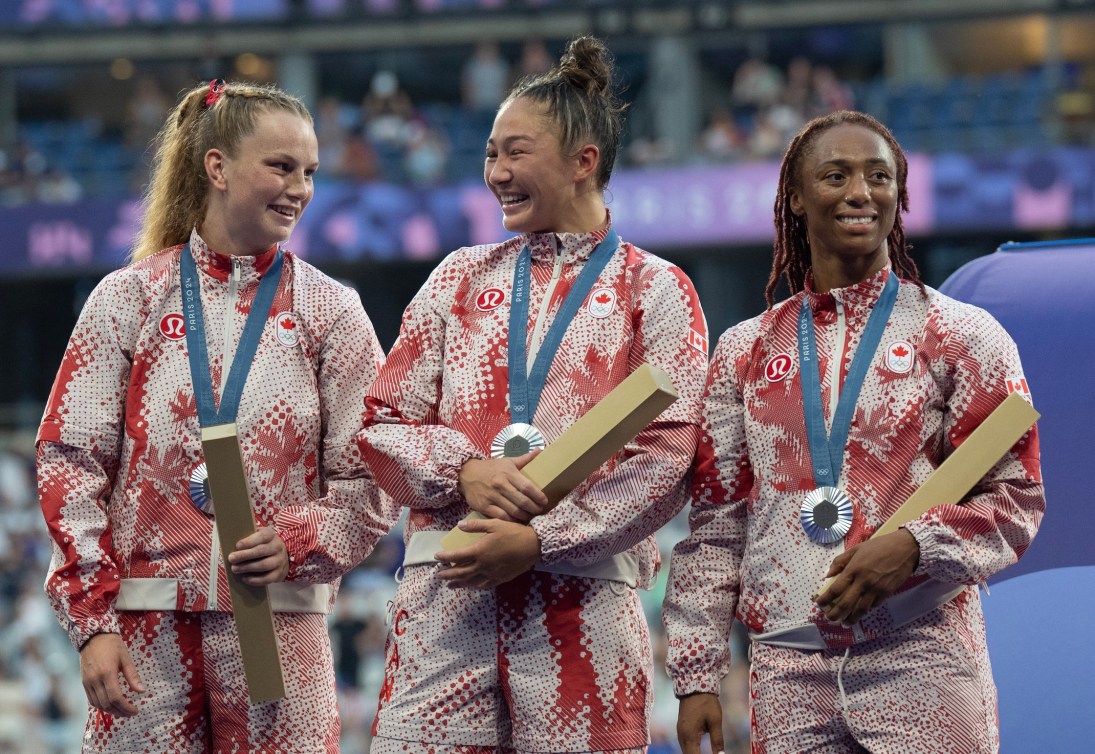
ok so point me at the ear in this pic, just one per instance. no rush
(588, 161)
(214, 168)
(795, 201)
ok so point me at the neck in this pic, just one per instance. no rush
(830, 272)
(588, 217)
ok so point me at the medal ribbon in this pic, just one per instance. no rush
(197, 348)
(525, 385)
(827, 452)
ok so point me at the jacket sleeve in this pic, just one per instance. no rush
(329, 536)
(640, 491)
(994, 525)
(705, 568)
(415, 458)
(77, 452)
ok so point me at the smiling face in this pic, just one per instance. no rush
(847, 195)
(258, 193)
(525, 168)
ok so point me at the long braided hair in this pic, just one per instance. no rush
(791, 252)
(211, 115)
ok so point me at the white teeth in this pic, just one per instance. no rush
(856, 220)
(512, 198)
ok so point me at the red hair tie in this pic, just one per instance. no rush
(216, 89)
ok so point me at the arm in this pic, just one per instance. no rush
(705, 570)
(415, 459)
(968, 543)
(329, 536)
(78, 448)
(646, 485)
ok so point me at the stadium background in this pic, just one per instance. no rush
(994, 100)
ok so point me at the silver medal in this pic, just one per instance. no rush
(516, 440)
(199, 490)
(826, 515)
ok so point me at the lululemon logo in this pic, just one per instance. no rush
(778, 367)
(490, 299)
(173, 326)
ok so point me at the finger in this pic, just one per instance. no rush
(258, 537)
(116, 702)
(531, 495)
(499, 514)
(827, 594)
(862, 606)
(841, 608)
(249, 554)
(91, 690)
(515, 499)
(715, 731)
(259, 562)
(522, 461)
(689, 740)
(132, 677)
(510, 501)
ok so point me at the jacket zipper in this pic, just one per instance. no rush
(836, 366)
(545, 302)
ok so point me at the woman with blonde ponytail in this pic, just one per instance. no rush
(212, 322)
(532, 639)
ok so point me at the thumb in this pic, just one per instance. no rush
(839, 563)
(129, 672)
(477, 524)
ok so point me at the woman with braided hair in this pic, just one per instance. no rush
(212, 322)
(822, 415)
(533, 638)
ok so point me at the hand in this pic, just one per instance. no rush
(496, 488)
(699, 714)
(867, 574)
(507, 551)
(260, 559)
(102, 658)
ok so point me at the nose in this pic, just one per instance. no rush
(496, 172)
(858, 191)
(299, 186)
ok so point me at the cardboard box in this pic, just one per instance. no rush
(593, 439)
(250, 604)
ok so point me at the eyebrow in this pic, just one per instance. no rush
(510, 139)
(844, 162)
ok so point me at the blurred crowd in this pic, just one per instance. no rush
(392, 135)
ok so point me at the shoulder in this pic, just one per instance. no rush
(311, 282)
(654, 271)
(956, 318)
(778, 319)
(144, 277)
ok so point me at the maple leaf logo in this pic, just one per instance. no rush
(604, 298)
(288, 323)
(900, 351)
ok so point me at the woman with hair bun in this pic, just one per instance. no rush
(532, 638)
(261, 339)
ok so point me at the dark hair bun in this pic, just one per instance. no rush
(587, 64)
